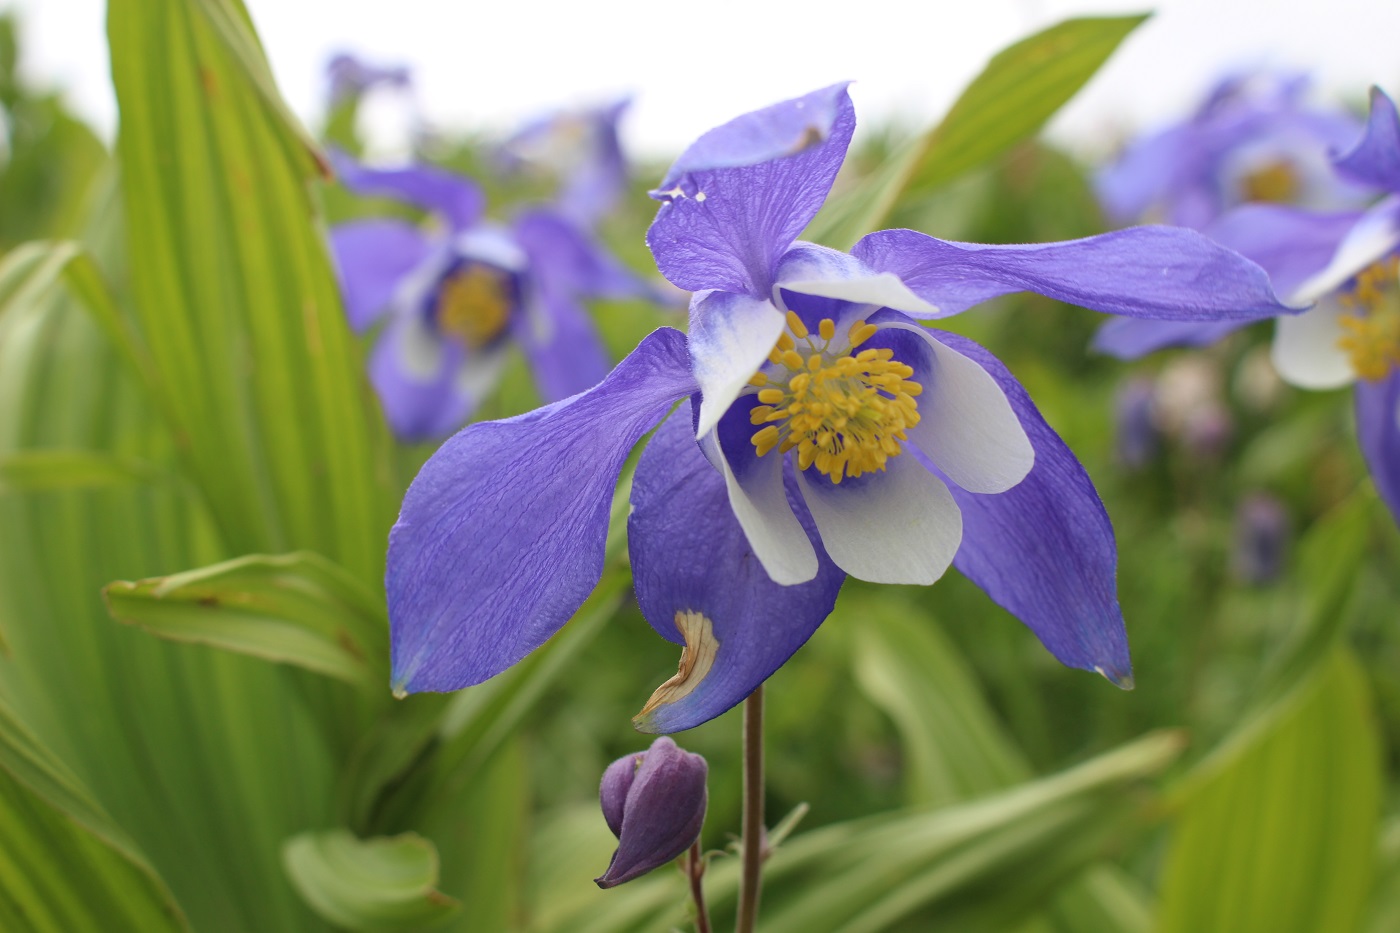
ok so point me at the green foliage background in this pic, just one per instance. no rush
(188, 446)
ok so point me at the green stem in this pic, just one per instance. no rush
(751, 873)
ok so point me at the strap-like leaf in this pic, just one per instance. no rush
(368, 884)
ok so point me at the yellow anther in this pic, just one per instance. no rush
(861, 332)
(794, 323)
(759, 379)
(771, 396)
(785, 341)
(1276, 181)
(1371, 326)
(844, 415)
(473, 305)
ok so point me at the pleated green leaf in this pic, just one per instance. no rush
(1013, 97)
(369, 884)
(1278, 830)
(234, 296)
(66, 866)
(296, 609)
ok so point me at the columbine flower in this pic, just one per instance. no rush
(455, 299)
(351, 77)
(836, 436)
(1345, 265)
(582, 147)
(654, 803)
(1254, 139)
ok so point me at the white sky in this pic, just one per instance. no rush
(489, 64)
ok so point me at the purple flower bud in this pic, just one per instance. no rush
(351, 77)
(654, 802)
(1139, 439)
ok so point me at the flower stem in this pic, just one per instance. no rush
(751, 876)
(695, 870)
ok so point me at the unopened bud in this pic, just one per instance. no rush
(654, 802)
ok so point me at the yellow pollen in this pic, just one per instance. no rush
(846, 415)
(473, 305)
(1371, 323)
(1277, 182)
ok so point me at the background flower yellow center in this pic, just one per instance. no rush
(473, 305)
(1372, 321)
(844, 414)
(1276, 181)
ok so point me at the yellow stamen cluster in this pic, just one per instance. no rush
(473, 305)
(845, 415)
(1277, 182)
(1372, 321)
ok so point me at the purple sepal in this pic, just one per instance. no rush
(1128, 338)
(1289, 243)
(459, 200)
(1376, 159)
(1153, 272)
(662, 809)
(501, 534)
(567, 259)
(371, 258)
(741, 194)
(1378, 431)
(565, 353)
(689, 554)
(1044, 550)
(419, 406)
(1142, 175)
(351, 76)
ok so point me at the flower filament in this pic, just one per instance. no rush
(844, 412)
(473, 304)
(1371, 322)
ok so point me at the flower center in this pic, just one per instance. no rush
(473, 304)
(1277, 182)
(845, 414)
(1372, 320)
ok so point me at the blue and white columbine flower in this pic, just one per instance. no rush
(453, 300)
(1344, 265)
(1255, 138)
(836, 436)
(583, 148)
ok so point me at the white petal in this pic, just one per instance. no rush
(966, 424)
(898, 526)
(1375, 235)
(1305, 350)
(420, 351)
(826, 273)
(730, 338)
(761, 506)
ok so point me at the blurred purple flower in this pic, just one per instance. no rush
(1254, 139)
(1261, 539)
(1345, 266)
(836, 436)
(654, 803)
(582, 147)
(351, 77)
(454, 300)
(1138, 439)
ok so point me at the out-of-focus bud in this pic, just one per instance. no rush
(351, 77)
(1138, 438)
(654, 802)
(1261, 539)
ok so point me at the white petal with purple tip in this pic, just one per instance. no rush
(966, 424)
(760, 504)
(1306, 352)
(897, 526)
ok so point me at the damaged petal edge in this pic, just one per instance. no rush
(697, 657)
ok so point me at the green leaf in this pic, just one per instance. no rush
(293, 609)
(67, 866)
(1016, 93)
(48, 470)
(369, 884)
(234, 296)
(1277, 831)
